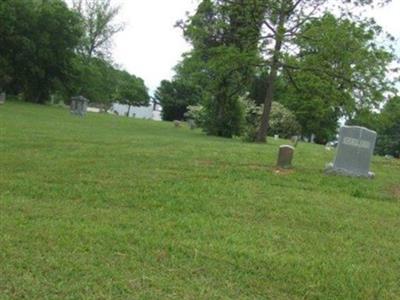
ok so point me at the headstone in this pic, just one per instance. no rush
(177, 124)
(354, 152)
(295, 140)
(328, 146)
(276, 136)
(192, 124)
(2, 98)
(312, 138)
(285, 156)
(79, 105)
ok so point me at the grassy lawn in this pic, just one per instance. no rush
(114, 208)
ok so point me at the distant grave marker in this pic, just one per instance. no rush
(192, 124)
(295, 140)
(285, 156)
(79, 105)
(2, 98)
(354, 152)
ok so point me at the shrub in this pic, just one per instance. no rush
(197, 114)
(282, 120)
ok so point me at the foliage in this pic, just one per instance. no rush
(339, 71)
(389, 133)
(284, 21)
(96, 81)
(221, 62)
(103, 84)
(197, 114)
(252, 113)
(130, 90)
(98, 18)
(38, 39)
(386, 123)
(315, 64)
(283, 122)
(175, 96)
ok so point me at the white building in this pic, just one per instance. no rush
(151, 112)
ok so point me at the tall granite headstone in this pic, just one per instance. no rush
(79, 105)
(354, 152)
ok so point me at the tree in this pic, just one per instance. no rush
(386, 123)
(175, 96)
(96, 80)
(222, 61)
(283, 22)
(339, 71)
(389, 133)
(99, 26)
(40, 38)
(130, 90)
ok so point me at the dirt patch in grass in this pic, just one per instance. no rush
(395, 192)
(205, 162)
(280, 171)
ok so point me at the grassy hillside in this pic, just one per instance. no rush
(114, 208)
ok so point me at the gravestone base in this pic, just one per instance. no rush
(330, 170)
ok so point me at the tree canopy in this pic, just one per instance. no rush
(50, 48)
(322, 67)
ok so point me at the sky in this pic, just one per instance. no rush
(150, 46)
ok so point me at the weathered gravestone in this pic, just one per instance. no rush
(192, 124)
(295, 140)
(79, 105)
(2, 98)
(285, 156)
(177, 124)
(354, 152)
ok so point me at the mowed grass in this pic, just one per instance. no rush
(108, 207)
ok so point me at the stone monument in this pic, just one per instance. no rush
(285, 156)
(79, 105)
(354, 152)
(2, 98)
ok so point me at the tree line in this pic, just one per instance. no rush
(51, 50)
(321, 66)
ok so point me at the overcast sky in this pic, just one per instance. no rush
(150, 46)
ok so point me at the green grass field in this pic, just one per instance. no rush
(108, 207)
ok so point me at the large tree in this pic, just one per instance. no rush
(283, 22)
(224, 38)
(130, 90)
(175, 96)
(387, 124)
(38, 39)
(100, 25)
(339, 70)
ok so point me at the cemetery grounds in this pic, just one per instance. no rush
(107, 207)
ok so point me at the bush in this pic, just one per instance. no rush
(175, 96)
(282, 120)
(197, 114)
(224, 116)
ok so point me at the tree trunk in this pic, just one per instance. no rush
(129, 110)
(279, 36)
